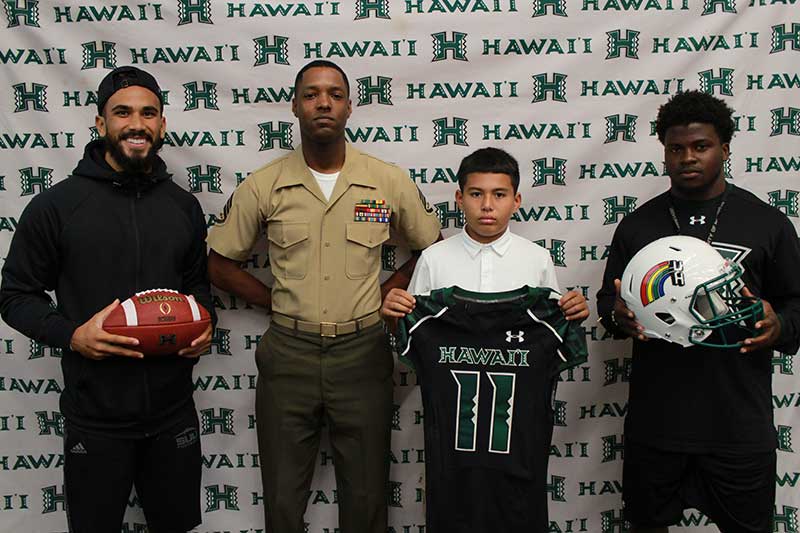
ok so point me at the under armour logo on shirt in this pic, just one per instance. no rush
(520, 336)
(697, 220)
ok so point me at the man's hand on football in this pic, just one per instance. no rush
(574, 306)
(624, 318)
(199, 346)
(93, 342)
(769, 327)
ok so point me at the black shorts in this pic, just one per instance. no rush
(99, 472)
(736, 491)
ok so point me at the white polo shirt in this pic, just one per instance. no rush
(505, 264)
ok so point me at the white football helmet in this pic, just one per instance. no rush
(682, 290)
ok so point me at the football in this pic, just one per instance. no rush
(163, 320)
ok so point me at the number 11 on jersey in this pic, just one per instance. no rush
(502, 411)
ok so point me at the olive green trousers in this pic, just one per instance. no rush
(344, 382)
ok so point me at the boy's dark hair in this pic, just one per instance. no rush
(695, 106)
(320, 63)
(493, 160)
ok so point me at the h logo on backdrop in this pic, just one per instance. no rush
(785, 39)
(189, 10)
(194, 95)
(456, 46)
(27, 10)
(107, 54)
(269, 134)
(616, 127)
(785, 120)
(368, 91)
(278, 50)
(786, 202)
(555, 87)
(614, 210)
(556, 171)
(34, 98)
(372, 8)
(616, 43)
(443, 132)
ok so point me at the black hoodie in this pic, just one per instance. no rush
(93, 237)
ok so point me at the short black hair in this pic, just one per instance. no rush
(492, 160)
(695, 106)
(320, 63)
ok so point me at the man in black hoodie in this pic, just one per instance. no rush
(116, 226)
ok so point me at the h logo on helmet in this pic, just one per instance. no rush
(167, 339)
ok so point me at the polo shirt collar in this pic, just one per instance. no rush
(499, 246)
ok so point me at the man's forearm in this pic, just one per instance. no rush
(228, 275)
(402, 276)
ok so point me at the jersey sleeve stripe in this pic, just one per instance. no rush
(418, 324)
(553, 331)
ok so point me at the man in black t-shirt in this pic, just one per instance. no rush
(487, 364)
(699, 431)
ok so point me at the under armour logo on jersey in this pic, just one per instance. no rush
(519, 336)
(697, 220)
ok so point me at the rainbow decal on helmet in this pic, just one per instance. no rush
(652, 287)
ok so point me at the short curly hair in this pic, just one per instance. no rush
(695, 106)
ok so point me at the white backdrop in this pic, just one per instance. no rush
(569, 87)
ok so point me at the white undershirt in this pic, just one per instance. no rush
(326, 181)
(505, 264)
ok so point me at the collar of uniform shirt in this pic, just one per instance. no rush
(499, 246)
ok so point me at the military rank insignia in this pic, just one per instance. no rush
(373, 211)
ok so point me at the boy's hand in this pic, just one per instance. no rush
(624, 318)
(574, 306)
(397, 304)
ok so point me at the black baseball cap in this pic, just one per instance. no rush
(122, 77)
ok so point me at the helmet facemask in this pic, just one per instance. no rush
(720, 309)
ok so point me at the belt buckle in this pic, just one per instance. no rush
(327, 329)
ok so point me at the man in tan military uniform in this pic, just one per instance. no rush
(327, 209)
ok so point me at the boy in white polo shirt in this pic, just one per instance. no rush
(485, 256)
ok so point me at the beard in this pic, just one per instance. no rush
(137, 165)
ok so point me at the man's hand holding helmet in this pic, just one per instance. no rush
(769, 326)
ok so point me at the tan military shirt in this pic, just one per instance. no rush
(325, 255)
